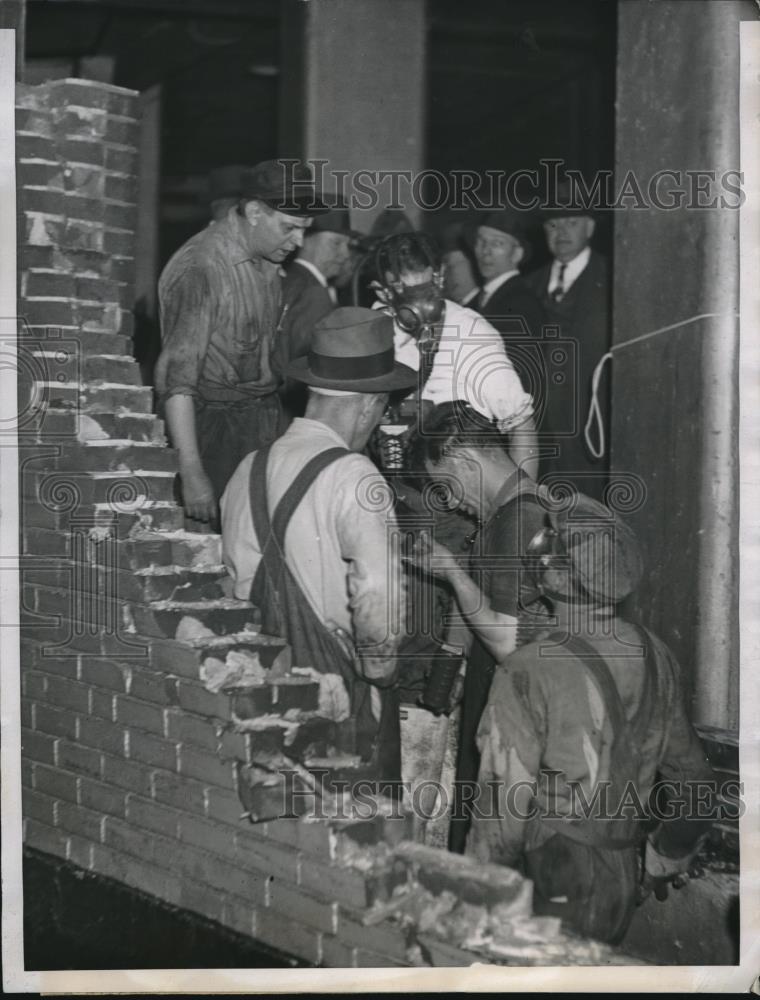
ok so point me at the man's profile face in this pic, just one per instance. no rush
(335, 253)
(275, 234)
(496, 252)
(461, 472)
(567, 236)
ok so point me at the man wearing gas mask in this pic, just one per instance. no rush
(458, 355)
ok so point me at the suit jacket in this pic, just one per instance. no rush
(583, 319)
(304, 302)
(515, 311)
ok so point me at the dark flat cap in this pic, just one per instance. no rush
(286, 185)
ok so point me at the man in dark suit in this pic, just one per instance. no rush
(308, 292)
(574, 290)
(506, 300)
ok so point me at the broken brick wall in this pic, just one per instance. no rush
(132, 767)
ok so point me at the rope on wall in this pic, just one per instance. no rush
(594, 410)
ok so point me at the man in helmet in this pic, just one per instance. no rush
(578, 726)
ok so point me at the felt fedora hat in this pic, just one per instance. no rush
(565, 201)
(352, 349)
(286, 185)
(337, 220)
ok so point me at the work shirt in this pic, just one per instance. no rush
(546, 713)
(219, 308)
(337, 543)
(470, 364)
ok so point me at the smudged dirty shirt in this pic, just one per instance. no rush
(219, 309)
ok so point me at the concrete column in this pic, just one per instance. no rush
(675, 394)
(353, 90)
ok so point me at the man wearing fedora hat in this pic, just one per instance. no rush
(308, 288)
(579, 725)
(574, 290)
(220, 301)
(306, 534)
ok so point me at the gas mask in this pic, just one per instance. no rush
(416, 308)
(545, 550)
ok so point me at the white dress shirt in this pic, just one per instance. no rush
(573, 269)
(471, 365)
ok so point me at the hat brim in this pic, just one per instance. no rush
(566, 212)
(402, 377)
(298, 206)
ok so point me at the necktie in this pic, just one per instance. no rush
(427, 347)
(480, 299)
(559, 288)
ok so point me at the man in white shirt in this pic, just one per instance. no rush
(575, 292)
(457, 354)
(305, 539)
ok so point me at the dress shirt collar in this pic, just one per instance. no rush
(573, 269)
(495, 283)
(313, 269)
(470, 296)
(306, 427)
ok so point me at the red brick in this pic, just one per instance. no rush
(55, 782)
(386, 938)
(130, 775)
(79, 759)
(336, 955)
(121, 160)
(284, 831)
(102, 735)
(42, 174)
(302, 907)
(77, 207)
(344, 885)
(191, 729)
(121, 188)
(39, 542)
(46, 200)
(117, 215)
(317, 839)
(239, 915)
(27, 713)
(152, 816)
(82, 235)
(224, 806)
(79, 851)
(140, 714)
(129, 839)
(83, 822)
(234, 746)
(85, 180)
(34, 147)
(116, 241)
(50, 283)
(37, 746)
(260, 854)
(152, 750)
(195, 698)
(149, 686)
(101, 702)
(43, 838)
(288, 936)
(38, 806)
(201, 899)
(33, 685)
(366, 959)
(82, 151)
(27, 773)
(93, 94)
(205, 766)
(481, 884)
(442, 954)
(132, 871)
(174, 658)
(122, 131)
(54, 721)
(68, 693)
(181, 792)
(49, 312)
(105, 674)
(101, 797)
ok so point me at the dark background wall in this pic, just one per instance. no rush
(508, 82)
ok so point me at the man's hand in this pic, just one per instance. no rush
(197, 492)
(432, 556)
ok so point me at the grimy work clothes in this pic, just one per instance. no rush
(583, 716)
(495, 565)
(220, 307)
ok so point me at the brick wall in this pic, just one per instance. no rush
(132, 767)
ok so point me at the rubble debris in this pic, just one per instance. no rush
(240, 668)
(334, 703)
(191, 629)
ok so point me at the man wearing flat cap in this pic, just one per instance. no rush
(306, 528)
(220, 303)
(579, 726)
(574, 290)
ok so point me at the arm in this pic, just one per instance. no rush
(497, 631)
(375, 579)
(523, 447)
(187, 312)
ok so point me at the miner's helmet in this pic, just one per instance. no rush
(591, 544)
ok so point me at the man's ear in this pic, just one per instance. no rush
(517, 254)
(590, 227)
(252, 212)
